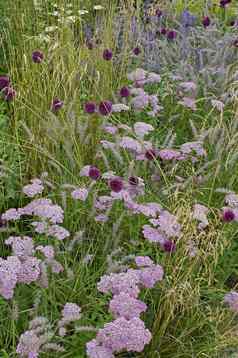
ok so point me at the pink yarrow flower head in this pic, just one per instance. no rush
(143, 261)
(9, 270)
(231, 299)
(56, 105)
(107, 54)
(141, 129)
(105, 108)
(80, 194)
(21, 247)
(149, 276)
(90, 107)
(123, 305)
(71, 312)
(37, 56)
(29, 345)
(31, 190)
(94, 173)
(96, 350)
(124, 335)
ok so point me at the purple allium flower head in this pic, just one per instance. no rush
(105, 108)
(116, 184)
(223, 3)
(228, 215)
(136, 51)
(163, 31)
(4, 82)
(133, 180)
(169, 246)
(206, 21)
(107, 54)
(90, 107)
(37, 56)
(94, 173)
(8, 93)
(57, 104)
(124, 92)
(150, 154)
(158, 12)
(171, 35)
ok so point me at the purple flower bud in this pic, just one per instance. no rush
(37, 56)
(228, 215)
(107, 55)
(171, 35)
(57, 104)
(116, 184)
(235, 43)
(4, 82)
(124, 92)
(150, 154)
(105, 108)
(94, 173)
(136, 51)
(133, 181)
(232, 23)
(90, 107)
(8, 93)
(223, 3)
(169, 246)
(89, 44)
(206, 21)
(158, 12)
(163, 31)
